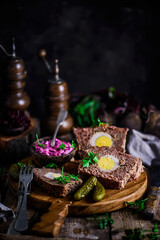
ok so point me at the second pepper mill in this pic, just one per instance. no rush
(56, 99)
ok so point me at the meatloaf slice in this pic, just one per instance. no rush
(128, 168)
(117, 136)
(45, 179)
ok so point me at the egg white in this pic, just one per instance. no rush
(96, 135)
(114, 159)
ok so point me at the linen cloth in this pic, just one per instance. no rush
(5, 213)
(144, 146)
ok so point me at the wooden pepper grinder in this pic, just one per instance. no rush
(17, 98)
(56, 99)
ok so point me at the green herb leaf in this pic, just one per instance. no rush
(63, 179)
(90, 160)
(66, 179)
(62, 146)
(73, 145)
(72, 176)
(40, 144)
(51, 165)
(138, 234)
(103, 220)
(20, 164)
(99, 123)
(85, 111)
(138, 205)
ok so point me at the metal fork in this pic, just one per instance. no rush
(11, 230)
(25, 178)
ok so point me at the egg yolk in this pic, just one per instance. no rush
(106, 163)
(103, 141)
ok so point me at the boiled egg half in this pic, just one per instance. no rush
(108, 163)
(101, 139)
(51, 175)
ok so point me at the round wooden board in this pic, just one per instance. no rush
(113, 200)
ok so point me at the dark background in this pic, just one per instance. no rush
(98, 45)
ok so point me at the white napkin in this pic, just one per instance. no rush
(5, 213)
(144, 146)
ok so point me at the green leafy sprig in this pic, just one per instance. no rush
(98, 122)
(85, 111)
(51, 165)
(40, 144)
(103, 222)
(90, 160)
(138, 205)
(20, 164)
(66, 179)
(73, 145)
(138, 234)
(72, 176)
(62, 146)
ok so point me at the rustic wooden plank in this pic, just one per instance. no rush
(126, 219)
(25, 237)
(80, 228)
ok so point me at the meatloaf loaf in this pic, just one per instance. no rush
(87, 137)
(45, 178)
(127, 168)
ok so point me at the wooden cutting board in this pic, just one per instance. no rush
(58, 208)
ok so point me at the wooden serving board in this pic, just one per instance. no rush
(58, 208)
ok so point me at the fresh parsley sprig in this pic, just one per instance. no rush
(63, 179)
(72, 176)
(40, 144)
(138, 234)
(51, 165)
(103, 220)
(138, 205)
(62, 146)
(90, 160)
(98, 122)
(73, 145)
(66, 179)
(20, 164)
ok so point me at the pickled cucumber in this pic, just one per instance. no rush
(86, 188)
(14, 171)
(99, 192)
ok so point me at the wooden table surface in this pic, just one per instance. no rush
(77, 227)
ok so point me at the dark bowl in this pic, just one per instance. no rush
(40, 159)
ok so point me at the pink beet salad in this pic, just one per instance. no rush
(60, 148)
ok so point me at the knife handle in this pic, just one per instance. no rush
(152, 203)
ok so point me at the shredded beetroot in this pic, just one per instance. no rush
(14, 119)
(53, 151)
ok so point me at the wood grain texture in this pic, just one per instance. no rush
(83, 228)
(127, 219)
(51, 222)
(25, 237)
